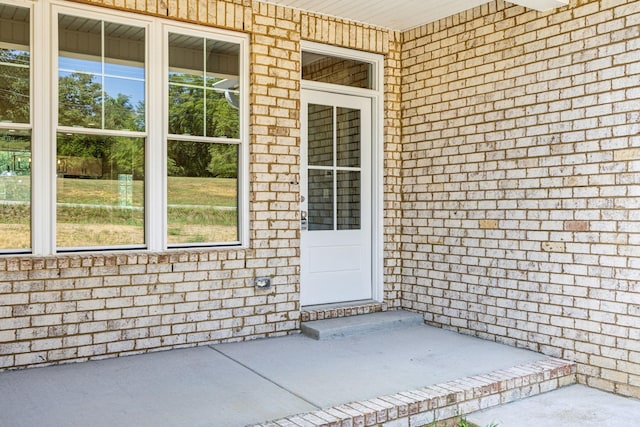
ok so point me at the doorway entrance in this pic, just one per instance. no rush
(336, 198)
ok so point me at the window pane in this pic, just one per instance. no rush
(223, 70)
(125, 109)
(204, 88)
(101, 77)
(14, 64)
(15, 189)
(186, 110)
(340, 71)
(80, 100)
(221, 115)
(348, 200)
(320, 135)
(186, 60)
(124, 79)
(100, 191)
(320, 199)
(202, 192)
(348, 137)
(223, 64)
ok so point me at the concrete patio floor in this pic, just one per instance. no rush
(572, 406)
(245, 383)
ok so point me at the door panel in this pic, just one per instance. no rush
(335, 234)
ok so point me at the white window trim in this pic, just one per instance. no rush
(33, 114)
(42, 169)
(89, 13)
(376, 94)
(44, 81)
(242, 141)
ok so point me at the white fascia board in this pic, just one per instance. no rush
(541, 5)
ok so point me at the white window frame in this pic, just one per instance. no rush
(241, 142)
(82, 12)
(43, 126)
(32, 116)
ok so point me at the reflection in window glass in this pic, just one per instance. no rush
(320, 194)
(341, 71)
(204, 87)
(202, 192)
(348, 137)
(320, 135)
(14, 64)
(15, 189)
(348, 200)
(101, 71)
(202, 183)
(100, 191)
(186, 110)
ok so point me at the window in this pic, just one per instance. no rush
(122, 152)
(204, 136)
(319, 67)
(15, 128)
(100, 139)
(333, 153)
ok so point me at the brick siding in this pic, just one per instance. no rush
(521, 172)
(75, 308)
(393, 173)
(511, 202)
(85, 307)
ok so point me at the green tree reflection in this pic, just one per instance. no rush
(14, 85)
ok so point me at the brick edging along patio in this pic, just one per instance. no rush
(442, 401)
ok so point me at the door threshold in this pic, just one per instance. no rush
(341, 309)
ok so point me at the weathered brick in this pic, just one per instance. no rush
(509, 174)
(547, 149)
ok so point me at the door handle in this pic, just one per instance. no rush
(304, 224)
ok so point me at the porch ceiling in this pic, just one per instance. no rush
(401, 15)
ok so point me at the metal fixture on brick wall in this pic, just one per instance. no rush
(263, 282)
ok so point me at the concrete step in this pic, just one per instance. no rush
(572, 406)
(362, 324)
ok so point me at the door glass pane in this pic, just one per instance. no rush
(348, 200)
(202, 192)
(348, 137)
(101, 74)
(332, 69)
(320, 135)
(15, 189)
(14, 64)
(320, 194)
(100, 191)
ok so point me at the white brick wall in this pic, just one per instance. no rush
(83, 307)
(520, 163)
(512, 196)
(92, 306)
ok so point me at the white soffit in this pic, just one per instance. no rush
(397, 15)
(540, 5)
(401, 15)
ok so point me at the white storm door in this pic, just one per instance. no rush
(336, 194)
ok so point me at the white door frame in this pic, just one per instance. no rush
(377, 149)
